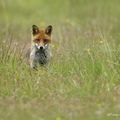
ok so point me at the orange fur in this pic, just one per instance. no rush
(42, 37)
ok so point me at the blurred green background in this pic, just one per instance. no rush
(82, 12)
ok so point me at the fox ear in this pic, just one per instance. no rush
(35, 30)
(48, 30)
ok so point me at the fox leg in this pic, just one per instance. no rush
(32, 63)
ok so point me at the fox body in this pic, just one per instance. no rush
(40, 48)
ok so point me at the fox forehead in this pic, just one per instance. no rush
(41, 35)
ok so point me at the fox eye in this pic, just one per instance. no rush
(45, 40)
(37, 39)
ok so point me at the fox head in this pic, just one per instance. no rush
(41, 37)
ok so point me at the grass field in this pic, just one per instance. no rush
(83, 81)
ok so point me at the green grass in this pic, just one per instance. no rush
(83, 81)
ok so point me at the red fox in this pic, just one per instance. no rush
(40, 48)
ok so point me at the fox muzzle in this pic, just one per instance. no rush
(40, 47)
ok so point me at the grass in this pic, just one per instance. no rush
(83, 79)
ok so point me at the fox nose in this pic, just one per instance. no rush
(41, 47)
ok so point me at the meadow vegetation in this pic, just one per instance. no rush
(83, 81)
